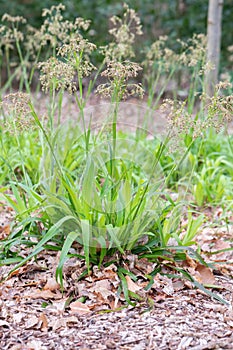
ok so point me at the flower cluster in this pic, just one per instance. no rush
(118, 74)
(76, 54)
(57, 74)
(55, 31)
(10, 32)
(13, 19)
(193, 54)
(194, 51)
(73, 58)
(160, 56)
(73, 51)
(177, 116)
(124, 32)
(219, 107)
(218, 111)
(17, 112)
(32, 41)
(119, 69)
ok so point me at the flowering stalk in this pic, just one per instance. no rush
(71, 64)
(11, 36)
(119, 69)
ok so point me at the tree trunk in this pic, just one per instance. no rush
(213, 43)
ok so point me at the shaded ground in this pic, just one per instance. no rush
(132, 113)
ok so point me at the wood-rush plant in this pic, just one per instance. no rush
(112, 202)
(184, 70)
(25, 45)
(106, 209)
(11, 38)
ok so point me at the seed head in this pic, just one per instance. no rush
(159, 56)
(9, 32)
(56, 31)
(17, 112)
(124, 32)
(13, 19)
(57, 74)
(118, 75)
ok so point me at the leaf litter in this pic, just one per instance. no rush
(91, 313)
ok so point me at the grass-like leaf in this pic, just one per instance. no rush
(70, 239)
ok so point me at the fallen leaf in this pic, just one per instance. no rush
(4, 231)
(72, 319)
(51, 284)
(60, 305)
(44, 321)
(133, 287)
(206, 275)
(79, 308)
(63, 322)
(220, 245)
(44, 294)
(31, 322)
(58, 323)
(191, 262)
(18, 316)
(102, 287)
(110, 271)
(30, 267)
(4, 324)
(178, 285)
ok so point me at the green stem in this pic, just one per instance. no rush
(52, 106)
(163, 88)
(22, 61)
(34, 66)
(162, 147)
(37, 120)
(21, 156)
(8, 65)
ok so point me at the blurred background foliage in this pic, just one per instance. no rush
(175, 18)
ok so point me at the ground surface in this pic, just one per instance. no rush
(34, 314)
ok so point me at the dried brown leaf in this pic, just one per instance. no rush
(219, 245)
(103, 288)
(44, 321)
(51, 284)
(178, 285)
(18, 317)
(192, 263)
(31, 322)
(205, 274)
(79, 308)
(60, 305)
(58, 323)
(4, 324)
(45, 294)
(33, 345)
(133, 287)
(4, 232)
